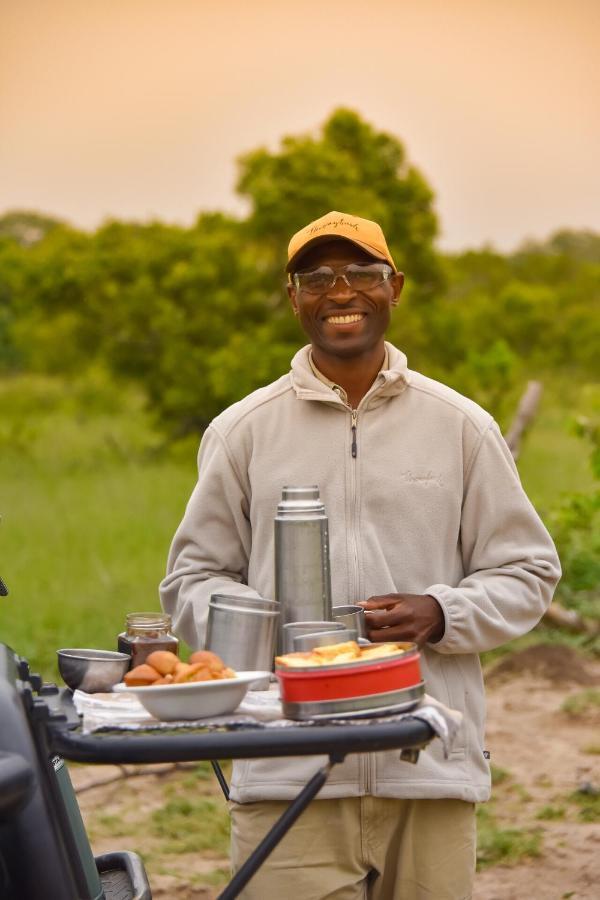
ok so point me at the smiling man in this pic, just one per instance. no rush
(429, 528)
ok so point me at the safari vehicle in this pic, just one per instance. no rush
(45, 853)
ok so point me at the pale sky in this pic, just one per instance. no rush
(138, 108)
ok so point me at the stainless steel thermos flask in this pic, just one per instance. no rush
(302, 573)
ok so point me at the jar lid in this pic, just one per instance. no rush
(148, 620)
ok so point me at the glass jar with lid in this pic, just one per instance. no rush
(144, 633)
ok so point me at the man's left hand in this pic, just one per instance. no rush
(404, 617)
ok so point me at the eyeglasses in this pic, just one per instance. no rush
(358, 278)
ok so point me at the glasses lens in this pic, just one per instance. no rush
(365, 278)
(316, 282)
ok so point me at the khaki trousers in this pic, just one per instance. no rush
(361, 848)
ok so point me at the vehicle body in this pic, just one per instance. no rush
(44, 848)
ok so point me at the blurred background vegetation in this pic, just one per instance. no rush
(117, 348)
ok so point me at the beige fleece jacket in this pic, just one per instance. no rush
(432, 504)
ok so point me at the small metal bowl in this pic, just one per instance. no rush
(92, 671)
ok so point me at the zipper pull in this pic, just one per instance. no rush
(354, 418)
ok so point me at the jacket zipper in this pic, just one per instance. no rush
(364, 761)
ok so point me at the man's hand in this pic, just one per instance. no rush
(404, 617)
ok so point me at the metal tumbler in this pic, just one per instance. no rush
(352, 616)
(302, 573)
(242, 631)
(291, 630)
(324, 638)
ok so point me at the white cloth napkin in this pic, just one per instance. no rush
(258, 708)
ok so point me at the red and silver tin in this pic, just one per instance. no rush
(367, 679)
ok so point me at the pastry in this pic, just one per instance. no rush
(336, 654)
(163, 661)
(142, 676)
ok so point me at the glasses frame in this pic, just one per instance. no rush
(385, 270)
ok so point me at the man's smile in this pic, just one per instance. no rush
(344, 318)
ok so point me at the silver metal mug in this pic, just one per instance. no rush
(352, 616)
(324, 638)
(242, 631)
(293, 629)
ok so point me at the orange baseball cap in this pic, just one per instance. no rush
(365, 234)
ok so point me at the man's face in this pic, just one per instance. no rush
(344, 322)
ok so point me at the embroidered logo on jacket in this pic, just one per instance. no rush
(425, 479)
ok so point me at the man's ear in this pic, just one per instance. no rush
(397, 283)
(291, 289)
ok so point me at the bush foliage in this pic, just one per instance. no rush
(194, 318)
(198, 316)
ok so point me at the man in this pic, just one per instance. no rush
(429, 528)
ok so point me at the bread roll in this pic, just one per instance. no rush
(141, 676)
(195, 672)
(180, 667)
(209, 659)
(227, 673)
(163, 661)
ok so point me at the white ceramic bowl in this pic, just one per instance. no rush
(194, 700)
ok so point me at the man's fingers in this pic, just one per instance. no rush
(395, 633)
(379, 603)
(384, 617)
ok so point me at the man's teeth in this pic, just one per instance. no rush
(345, 320)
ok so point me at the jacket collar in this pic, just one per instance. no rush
(389, 382)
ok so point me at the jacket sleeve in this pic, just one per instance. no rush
(510, 563)
(211, 547)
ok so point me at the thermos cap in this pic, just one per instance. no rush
(297, 500)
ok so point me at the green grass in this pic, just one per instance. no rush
(588, 803)
(591, 749)
(90, 499)
(81, 551)
(582, 703)
(551, 813)
(112, 824)
(216, 878)
(86, 528)
(499, 775)
(187, 824)
(507, 846)
(553, 460)
(204, 772)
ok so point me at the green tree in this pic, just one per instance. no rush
(199, 316)
(27, 227)
(352, 167)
